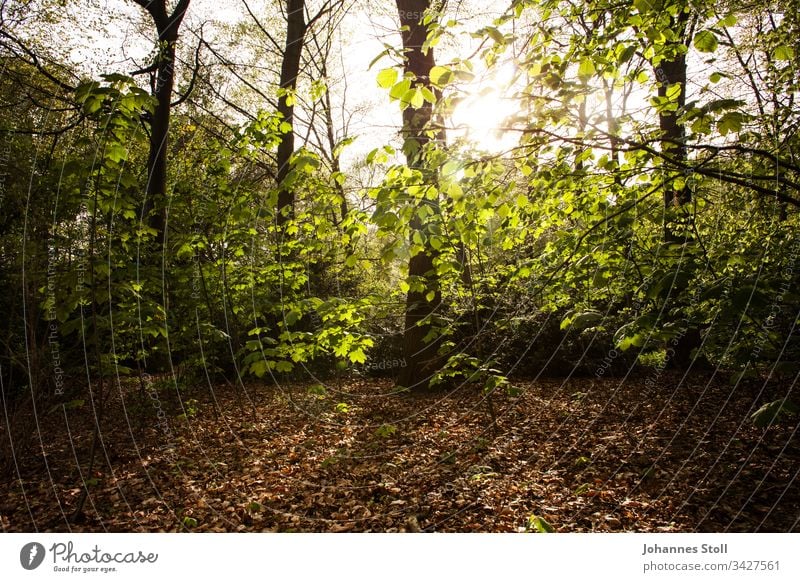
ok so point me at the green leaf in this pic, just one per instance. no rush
(385, 430)
(184, 251)
(382, 54)
(357, 356)
(71, 405)
(626, 53)
(455, 191)
(116, 153)
(259, 368)
(428, 95)
(670, 284)
(284, 366)
(783, 53)
(583, 320)
(464, 75)
(713, 292)
(400, 89)
(495, 34)
(189, 522)
(747, 373)
(292, 316)
(441, 76)
(417, 99)
(705, 41)
(586, 69)
(772, 412)
(387, 78)
(673, 91)
(92, 104)
(317, 390)
(722, 105)
(539, 525)
(731, 122)
(634, 334)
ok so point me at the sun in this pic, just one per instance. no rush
(483, 116)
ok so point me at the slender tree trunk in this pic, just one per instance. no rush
(673, 134)
(420, 350)
(167, 25)
(669, 73)
(97, 399)
(612, 126)
(335, 163)
(154, 209)
(290, 68)
(159, 141)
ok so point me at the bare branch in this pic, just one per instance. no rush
(195, 71)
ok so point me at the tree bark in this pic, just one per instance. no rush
(167, 25)
(673, 143)
(673, 134)
(290, 68)
(420, 352)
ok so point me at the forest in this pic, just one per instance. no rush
(411, 266)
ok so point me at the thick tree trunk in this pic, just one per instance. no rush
(290, 68)
(420, 351)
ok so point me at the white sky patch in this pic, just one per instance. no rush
(117, 36)
(478, 119)
(482, 118)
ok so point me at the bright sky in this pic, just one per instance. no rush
(112, 35)
(116, 36)
(480, 114)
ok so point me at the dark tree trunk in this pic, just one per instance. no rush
(669, 73)
(420, 352)
(167, 25)
(290, 67)
(672, 72)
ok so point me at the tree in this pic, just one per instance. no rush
(295, 12)
(669, 64)
(296, 28)
(167, 24)
(420, 345)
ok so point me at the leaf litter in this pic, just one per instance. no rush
(582, 455)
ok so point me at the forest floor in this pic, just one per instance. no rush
(582, 454)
